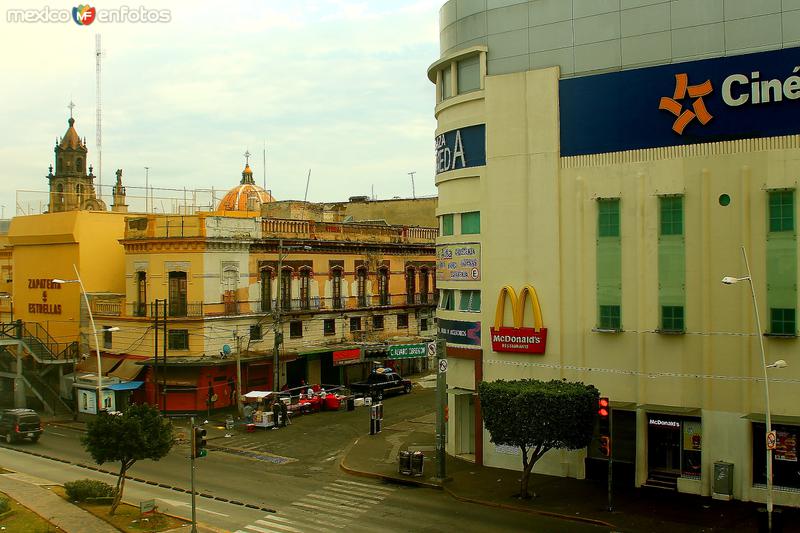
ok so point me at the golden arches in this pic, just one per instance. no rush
(528, 293)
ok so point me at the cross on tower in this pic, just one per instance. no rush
(247, 157)
(71, 106)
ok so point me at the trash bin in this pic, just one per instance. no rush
(229, 423)
(763, 520)
(404, 463)
(417, 462)
(351, 403)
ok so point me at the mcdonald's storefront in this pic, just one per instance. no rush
(584, 231)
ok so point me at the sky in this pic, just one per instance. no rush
(335, 86)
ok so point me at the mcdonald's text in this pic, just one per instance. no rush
(519, 340)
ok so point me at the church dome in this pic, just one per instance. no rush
(247, 196)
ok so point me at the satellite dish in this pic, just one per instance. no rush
(226, 349)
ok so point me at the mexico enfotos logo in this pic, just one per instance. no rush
(84, 15)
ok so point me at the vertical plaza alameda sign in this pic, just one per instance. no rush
(461, 148)
(518, 339)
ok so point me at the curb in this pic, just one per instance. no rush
(550, 514)
(384, 477)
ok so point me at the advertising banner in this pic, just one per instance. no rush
(346, 357)
(460, 331)
(458, 262)
(721, 99)
(518, 339)
(786, 448)
(461, 148)
(408, 351)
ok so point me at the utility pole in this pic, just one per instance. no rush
(98, 54)
(610, 456)
(441, 401)
(191, 454)
(239, 406)
(156, 390)
(413, 191)
(164, 351)
(277, 326)
(146, 189)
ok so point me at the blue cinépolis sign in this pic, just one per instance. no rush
(461, 148)
(721, 99)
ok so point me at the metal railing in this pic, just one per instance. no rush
(318, 230)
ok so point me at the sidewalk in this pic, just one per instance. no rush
(643, 509)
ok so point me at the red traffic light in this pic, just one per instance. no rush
(602, 407)
(605, 446)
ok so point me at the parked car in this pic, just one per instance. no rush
(20, 424)
(380, 383)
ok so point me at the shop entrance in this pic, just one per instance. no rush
(664, 444)
(296, 372)
(465, 429)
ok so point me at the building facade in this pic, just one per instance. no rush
(600, 166)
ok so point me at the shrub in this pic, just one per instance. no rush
(4, 505)
(84, 489)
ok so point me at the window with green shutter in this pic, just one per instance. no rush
(781, 211)
(782, 321)
(470, 301)
(671, 215)
(447, 224)
(672, 318)
(471, 223)
(610, 317)
(608, 217)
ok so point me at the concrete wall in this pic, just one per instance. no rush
(587, 36)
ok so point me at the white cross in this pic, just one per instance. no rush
(71, 106)
(247, 157)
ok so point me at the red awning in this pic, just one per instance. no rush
(346, 357)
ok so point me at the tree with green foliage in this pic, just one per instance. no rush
(537, 416)
(140, 432)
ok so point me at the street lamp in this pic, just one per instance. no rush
(276, 312)
(94, 331)
(729, 280)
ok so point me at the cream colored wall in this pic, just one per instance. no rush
(538, 225)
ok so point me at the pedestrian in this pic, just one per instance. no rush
(248, 413)
(284, 414)
(276, 412)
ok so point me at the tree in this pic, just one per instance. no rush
(537, 416)
(138, 433)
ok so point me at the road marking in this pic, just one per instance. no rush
(333, 511)
(260, 529)
(282, 527)
(371, 498)
(327, 506)
(342, 501)
(51, 432)
(352, 505)
(371, 487)
(183, 504)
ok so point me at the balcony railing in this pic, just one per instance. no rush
(346, 231)
(181, 309)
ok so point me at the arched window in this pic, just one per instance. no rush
(423, 285)
(361, 286)
(79, 164)
(411, 284)
(336, 288)
(265, 276)
(305, 288)
(383, 286)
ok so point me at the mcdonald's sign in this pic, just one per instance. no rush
(518, 339)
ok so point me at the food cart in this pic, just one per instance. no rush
(262, 416)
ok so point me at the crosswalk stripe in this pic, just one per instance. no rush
(330, 506)
(277, 518)
(260, 529)
(327, 500)
(282, 527)
(322, 522)
(341, 501)
(365, 485)
(332, 512)
(369, 497)
(359, 491)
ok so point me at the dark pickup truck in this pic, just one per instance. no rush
(379, 384)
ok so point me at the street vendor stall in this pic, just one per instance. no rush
(262, 416)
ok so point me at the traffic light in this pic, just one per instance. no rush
(604, 414)
(605, 445)
(199, 442)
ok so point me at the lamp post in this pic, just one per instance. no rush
(276, 312)
(94, 332)
(728, 280)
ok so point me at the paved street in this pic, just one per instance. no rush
(289, 477)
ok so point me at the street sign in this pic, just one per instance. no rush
(443, 366)
(772, 439)
(431, 349)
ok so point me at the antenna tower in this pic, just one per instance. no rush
(98, 126)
